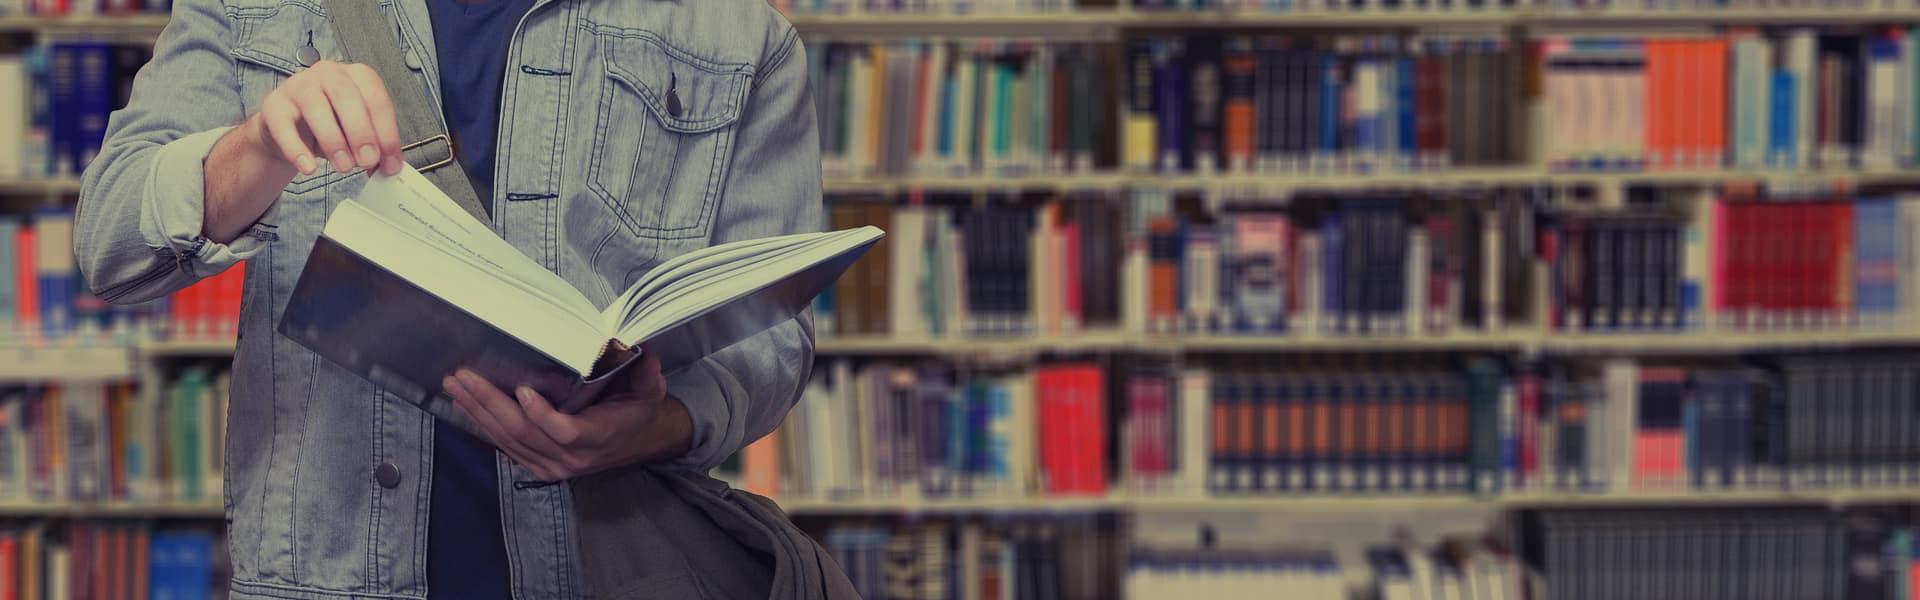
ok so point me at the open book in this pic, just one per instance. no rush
(404, 287)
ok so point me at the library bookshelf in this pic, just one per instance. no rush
(147, 361)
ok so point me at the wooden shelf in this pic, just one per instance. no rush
(187, 348)
(1125, 503)
(205, 509)
(137, 24)
(1350, 503)
(34, 187)
(62, 363)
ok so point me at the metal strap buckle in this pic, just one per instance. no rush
(439, 137)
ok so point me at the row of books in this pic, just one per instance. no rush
(1794, 99)
(1009, 559)
(78, 442)
(1748, 554)
(54, 103)
(1284, 7)
(110, 560)
(43, 299)
(1408, 425)
(1375, 264)
(1343, 103)
(938, 108)
(83, 8)
(1453, 569)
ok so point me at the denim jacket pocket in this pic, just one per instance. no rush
(663, 135)
(268, 42)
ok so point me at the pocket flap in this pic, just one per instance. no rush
(709, 94)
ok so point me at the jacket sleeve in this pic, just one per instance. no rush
(137, 230)
(742, 392)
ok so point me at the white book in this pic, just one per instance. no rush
(1621, 378)
(414, 265)
(908, 273)
(1884, 91)
(1023, 440)
(1800, 62)
(965, 99)
(1752, 88)
(1195, 409)
(14, 114)
(57, 576)
(860, 114)
(1416, 284)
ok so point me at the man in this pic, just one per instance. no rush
(603, 137)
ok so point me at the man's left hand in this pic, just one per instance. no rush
(634, 421)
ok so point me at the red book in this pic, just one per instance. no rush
(232, 283)
(1073, 434)
(9, 567)
(1528, 389)
(26, 281)
(1146, 428)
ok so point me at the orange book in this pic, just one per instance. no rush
(760, 466)
(876, 98)
(26, 281)
(1221, 442)
(1163, 273)
(1712, 55)
(1237, 112)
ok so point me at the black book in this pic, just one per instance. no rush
(1205, 81)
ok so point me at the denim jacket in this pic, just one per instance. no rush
(596, 179)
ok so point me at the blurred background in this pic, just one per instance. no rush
(1316, 299)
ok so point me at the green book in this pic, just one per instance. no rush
(188, 405)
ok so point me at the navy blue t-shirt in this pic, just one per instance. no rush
(466, 551)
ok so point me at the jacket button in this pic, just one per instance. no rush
(387, 475)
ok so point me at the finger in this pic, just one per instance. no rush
(563, 429)
(507, 414)
(463, 399)
(317, 113)
(645, 378)
(351, 111)
(386, 127)
(280, 119)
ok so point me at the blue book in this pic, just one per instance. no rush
(959, 436)
(1700, 418)
(63, 75)
(996, 432)
(1332, 317)
(1781, 134)
(94, 98)
(57, 275)
(1170, 102)
(1280, 392)
(180, 565)
(936, 477)
(1403, 103)
(1876, 257)
(1330, 88)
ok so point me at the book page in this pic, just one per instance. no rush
(702, 261)
(410, 203)
(510, 306)
(674, 305)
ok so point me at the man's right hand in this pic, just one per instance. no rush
(334, 112)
